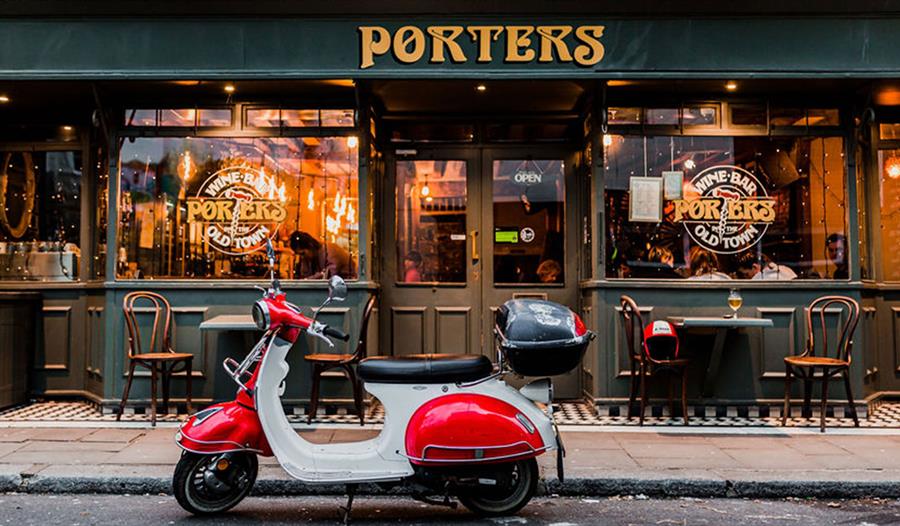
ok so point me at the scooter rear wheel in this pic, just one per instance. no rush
(207, 484)
(510, 498)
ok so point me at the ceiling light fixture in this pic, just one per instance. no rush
(731, 85)
(481, 87)
(67, 128)
(352, 141)
(4, 99)
(229, 88)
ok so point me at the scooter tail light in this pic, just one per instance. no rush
(580, 328)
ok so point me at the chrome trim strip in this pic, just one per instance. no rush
(531, 451)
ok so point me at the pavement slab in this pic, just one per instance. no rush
(110, 460)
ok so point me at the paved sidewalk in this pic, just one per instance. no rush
(671, 462)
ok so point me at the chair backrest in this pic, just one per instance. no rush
(162, 321)
(361, 348)
(817, 328)
(633, 323)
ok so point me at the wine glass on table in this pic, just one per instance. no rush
(735, 301)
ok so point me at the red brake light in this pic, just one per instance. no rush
(580, 329)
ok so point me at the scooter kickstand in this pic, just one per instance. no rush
(351, 490)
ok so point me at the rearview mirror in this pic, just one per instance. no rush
(270, 253)
(337, 289)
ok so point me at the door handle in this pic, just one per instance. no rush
(475, 256)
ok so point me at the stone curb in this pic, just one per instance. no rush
(596, 487)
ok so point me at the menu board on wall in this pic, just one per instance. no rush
(645, 199)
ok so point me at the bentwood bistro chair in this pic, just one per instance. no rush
(805, 365)
(160, 358)
(643, 365)
(345, 362)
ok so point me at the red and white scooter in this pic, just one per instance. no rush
(452, 428)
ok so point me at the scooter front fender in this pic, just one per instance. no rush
(223, 428)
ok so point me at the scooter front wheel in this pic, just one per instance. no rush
(519, 485)
(207, 484)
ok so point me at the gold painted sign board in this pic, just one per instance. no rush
(482, 44)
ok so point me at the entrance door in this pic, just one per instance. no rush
(466, 230)
(530, 252)
(432, 255)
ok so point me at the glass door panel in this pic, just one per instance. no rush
(529, 221)
(431, 201)
(431, 279)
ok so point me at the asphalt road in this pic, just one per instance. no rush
(20, 509)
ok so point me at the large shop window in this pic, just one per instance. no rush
(719, 208)
(889, 191)
(204, 208)
(40, 215)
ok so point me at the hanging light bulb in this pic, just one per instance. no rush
(352, 141)
(311, 200)
(426, 191)
(892, 167)
(186, 166)
(607, 139)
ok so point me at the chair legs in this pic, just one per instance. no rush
(846, 375)
(357, 393)
(153, 394)
(126, 391)
(166, 373)
(785, 411)
(634, 389)
(314, 395)
(807, 395)
(824, 400)
(188, 389)
(643, 393)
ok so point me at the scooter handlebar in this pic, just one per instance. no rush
(335, 333)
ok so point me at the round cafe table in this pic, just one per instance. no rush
(721, 326)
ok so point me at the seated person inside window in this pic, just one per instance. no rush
(549, 271)
(661, 264)
(704, 265)
(320, 260)
(753, 266)
(837, 253)
(412, 265)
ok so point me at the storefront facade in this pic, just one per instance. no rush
(449, 163)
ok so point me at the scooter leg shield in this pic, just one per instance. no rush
(229, 426)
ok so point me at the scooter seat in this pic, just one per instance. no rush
(424, 368)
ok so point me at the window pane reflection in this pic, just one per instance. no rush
(889, 161)
(431, 221)
(203, 208)
(783, 199)
(529, 221)
(40, 215)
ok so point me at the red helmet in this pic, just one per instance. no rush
(660, 341)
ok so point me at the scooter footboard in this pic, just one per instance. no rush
(222, 428)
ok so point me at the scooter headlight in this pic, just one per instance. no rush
(261, 316)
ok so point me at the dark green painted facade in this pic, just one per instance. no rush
(81, 350)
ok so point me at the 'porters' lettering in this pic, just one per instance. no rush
(521, 44)
(517, 38)
(447, 40)
(551, 42)
(374, 41)
(591, 51)
(409, 36)
(484, 36)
